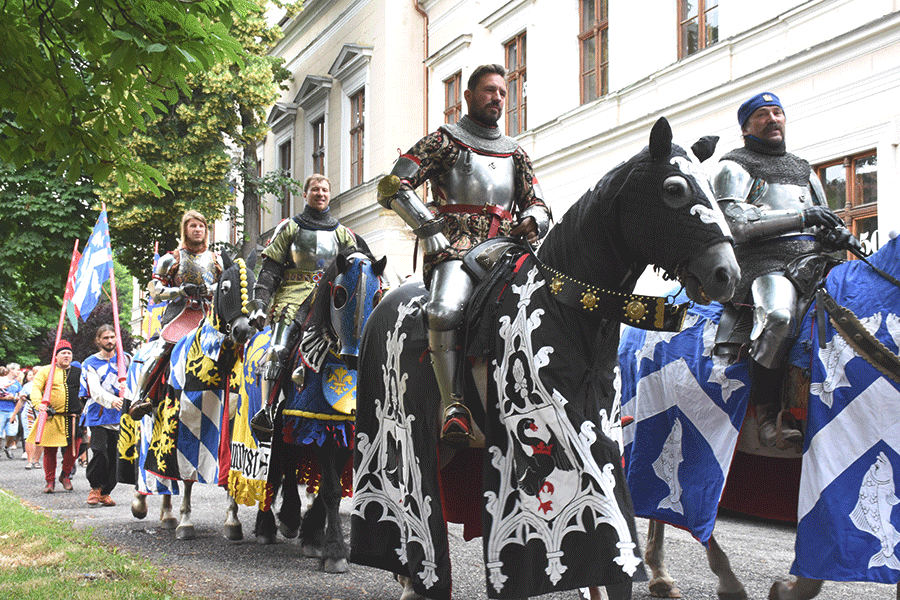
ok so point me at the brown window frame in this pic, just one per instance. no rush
(598, 32)
(701, 16)
(516, 82)
(854, 209)
(318, 145)
(285, 156)
(357, 136)
(453, 98)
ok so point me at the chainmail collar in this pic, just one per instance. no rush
(784, 168)
(473, 134)
(318, 220)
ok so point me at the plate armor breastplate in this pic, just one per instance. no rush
(313, 250)
(197, 268)
(779, 196)
(479, 179)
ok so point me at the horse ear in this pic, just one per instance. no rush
(705, 147)
(378, 267)
(251, 260)
(227, 261)
(661, 140)
(341, 263)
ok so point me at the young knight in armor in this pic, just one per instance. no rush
(775, 205)
(100, 387)
(293, 261)
(484, 186)
(186, 279)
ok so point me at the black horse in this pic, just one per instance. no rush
(549, 330)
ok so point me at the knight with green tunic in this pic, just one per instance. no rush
(293, 262)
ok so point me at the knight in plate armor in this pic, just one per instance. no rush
(483, 186)
(776, 207)
(293, 262)
(186, 280)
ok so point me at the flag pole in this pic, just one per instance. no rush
(120, 354)
(48, 385)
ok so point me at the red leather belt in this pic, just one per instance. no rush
(493, 210)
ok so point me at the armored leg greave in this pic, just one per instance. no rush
(450, 289)
(774, 301)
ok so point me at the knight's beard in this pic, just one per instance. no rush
(195, 247)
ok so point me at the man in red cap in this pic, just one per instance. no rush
(63, 409)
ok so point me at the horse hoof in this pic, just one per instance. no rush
(339, 565)
(138, 509)
(265, 539)
(168, 523)
(234, 533)
(312, 551)
(664, 587)
(288, 532)
(780, 590)
(186, 532)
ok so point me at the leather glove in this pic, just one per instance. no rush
(193, 290)
(839, 238)
(821, 215)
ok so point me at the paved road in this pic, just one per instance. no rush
(215, 568)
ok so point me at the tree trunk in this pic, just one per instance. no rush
(251, 194)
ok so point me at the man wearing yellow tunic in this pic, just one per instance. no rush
(62, 412)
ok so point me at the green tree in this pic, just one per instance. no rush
(78, 75)
(187, 143)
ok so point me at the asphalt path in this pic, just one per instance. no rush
(212, 567)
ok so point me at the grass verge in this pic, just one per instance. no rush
(42, 558)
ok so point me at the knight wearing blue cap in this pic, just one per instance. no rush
(783, 230)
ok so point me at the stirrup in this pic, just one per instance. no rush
(456, 432)
(141, 409)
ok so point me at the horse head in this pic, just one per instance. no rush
(234, 290)
(675, 222)
(353, 285)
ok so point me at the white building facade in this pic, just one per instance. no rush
(587, 80)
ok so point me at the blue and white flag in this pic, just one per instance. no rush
(848, 519)
(93, 268)
(688, 407)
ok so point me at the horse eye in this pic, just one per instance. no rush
(339, 296)
(226, 286)
(676, 191)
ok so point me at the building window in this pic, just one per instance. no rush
(453, 98)
(284, 165)
(594, 43)
(357, 136)
(318, 146)
(851, 188)
(698, 25)
(516, 85)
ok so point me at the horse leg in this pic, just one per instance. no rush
(661, 584)
(802, 589)
(185, 529)
(312, 529)
(729, 586)
(233, 529)
(139, 505)
(621, 591)
(289, 515)
(166, 519)
(331, 463)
